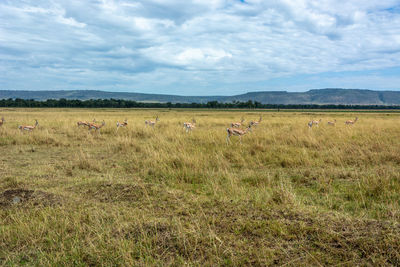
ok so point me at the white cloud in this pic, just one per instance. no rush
(192, 44)
(70, 22)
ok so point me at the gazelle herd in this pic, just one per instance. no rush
(233, 130)
(331, 123)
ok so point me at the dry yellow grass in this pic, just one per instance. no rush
(160, 196)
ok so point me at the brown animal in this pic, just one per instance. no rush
(311, 123)
(332, 123)
(85, 123)
(189, 126)
(123, 124)
(151, 123)
(255, 123)
(96, 127)
(237, 132)
(28, 127)
(348, 122)
(237, 124)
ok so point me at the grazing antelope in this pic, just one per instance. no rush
(96, 127)
(237, 124)
(189, 126)
(255, 123)
(237, 132)
(351, 122)
(2, 121)
(123, 124)
(332, 123)
(27, 127)
(311, 123)
(85, 123)
(151, 123)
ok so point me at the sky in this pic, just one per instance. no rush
(199, 47)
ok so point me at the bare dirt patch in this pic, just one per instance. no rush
(23, 197)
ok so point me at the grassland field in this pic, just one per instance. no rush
(143, 196)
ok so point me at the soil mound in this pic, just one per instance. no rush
(22, 197)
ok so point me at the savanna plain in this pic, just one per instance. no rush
(288, 195)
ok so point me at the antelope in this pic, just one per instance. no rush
(85, 123)
(96, 127)
(2, 121)
(351, 122)
(123, 124)
(237, 132)
(151, 123)
(237, 124)
(27, 127)
(332, 123)
(189, 126)
(311, 123)
(255, 123)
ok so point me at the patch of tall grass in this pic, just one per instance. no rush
(160, 196)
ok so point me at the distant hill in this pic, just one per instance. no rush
(93, 94)
(324, 96)
(316, 96)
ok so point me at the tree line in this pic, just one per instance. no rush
(120, 103)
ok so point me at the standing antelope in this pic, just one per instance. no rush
(151, 123)
(237, 132)
(312, 122)
(351, 122)
(255, 123)
(96, 127)
(237, 124)
(332, 123)
(27, 127)
(2, 121)
(189, 126)
(123, 124)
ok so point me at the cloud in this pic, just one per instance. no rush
(194, 47)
